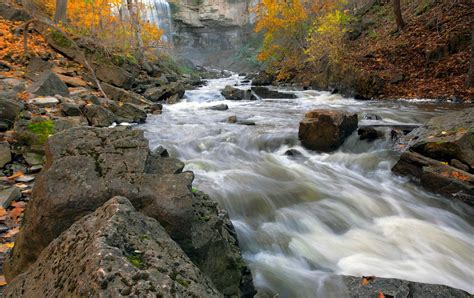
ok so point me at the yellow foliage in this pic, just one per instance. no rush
(296, 31)
(106, 21)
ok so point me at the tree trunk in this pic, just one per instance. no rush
(397, 10)
(60, 13)
(135, 20)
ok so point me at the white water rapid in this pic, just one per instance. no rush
(301, 219)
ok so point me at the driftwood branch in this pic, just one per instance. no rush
(25, 27)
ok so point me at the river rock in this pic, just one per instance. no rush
(445, 137)
(156, 108)
(162, 93)
(231, 93)
(221, 107)
(70, 109)
(5, 154)
(368, 133)
(122, 95)
(128, 112)
(9, 110)
(326, 130)
(263, 78)
(99, 116)
(437, 177)
(8, 195)
(86, 166)
(115, 251)
(48, 84)
(264, 92)
(359, 287)
(44, 102)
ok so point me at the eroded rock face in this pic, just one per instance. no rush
(446, 137)
(440, 155)
(114, 251)
(87, 166)
(326, 130)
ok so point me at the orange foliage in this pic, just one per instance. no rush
(106, 21)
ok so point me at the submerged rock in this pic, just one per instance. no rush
(368, 133)
(115, 251)
(231, 93)
(264, 92)
(221, 107)
(86, 166)
(326, 130)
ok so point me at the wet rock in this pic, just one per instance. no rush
(293, 153)
(156, 109)
(70, 109)
(326, 130)
(9, 110)
(231, 93)
(44, 102)
(368, 133)
(128, 113)
(245, 122)
(5, 154)
(263, 78)
(8, 195)
(391, 287)
(86, 166)
(232, 119)
(48, 84)
(369, 116)
(264, 92)
(445, 137)
(172, 99)
(221, 107)
(114, 251)
(162, 93)
(99, 116)
(458, 164)
(436, 176)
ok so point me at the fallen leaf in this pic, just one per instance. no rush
(3, 282)
(381, 295)
(16, 175)
(4, 247)
(11, 233)
(3, 212)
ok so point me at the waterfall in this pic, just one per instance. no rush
(159, 13)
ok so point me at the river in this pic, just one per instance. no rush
(300, 219)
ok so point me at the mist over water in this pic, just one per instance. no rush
(301, 219)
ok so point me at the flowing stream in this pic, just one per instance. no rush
(301, 219)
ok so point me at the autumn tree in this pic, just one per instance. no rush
(60, 12)
(397, 10)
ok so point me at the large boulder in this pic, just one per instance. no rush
(361, 287)
(9, 110)
(440, 155)
(86, 166)
(115, 251)
(114, 75)
(326, 130)
(435, 176)
(48, 84)
(10, 87)
(162, 93)
(13, 14)
(128, 112)
(231, 93)
(99, 116)
(123, 95)
(446, 137)
(263, 78)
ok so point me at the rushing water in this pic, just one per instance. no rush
(301, 219)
